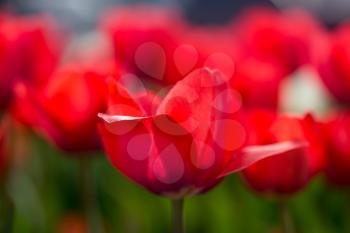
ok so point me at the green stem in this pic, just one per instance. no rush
(286, 219)
(177, 216)
(7, 212)
(346, 212)
(88, 197)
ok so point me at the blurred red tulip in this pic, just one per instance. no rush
(191, 142)
(145, 39)
(333, 62)
(338, 153)
(213, 47)
(28, 51)
(283, 38)
(65, 108)
(291, 171)
(258, 82)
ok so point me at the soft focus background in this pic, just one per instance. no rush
(45, 186)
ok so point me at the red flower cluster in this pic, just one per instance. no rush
(256, 51)
(178, 102)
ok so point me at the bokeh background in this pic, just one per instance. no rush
(45, 185)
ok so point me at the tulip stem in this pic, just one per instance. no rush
(177, 216)
(286, 219)
(7, 212)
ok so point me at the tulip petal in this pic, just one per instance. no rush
(188, 100)
(120, 137)
(151, 151)
(120, 101)
(251, 154)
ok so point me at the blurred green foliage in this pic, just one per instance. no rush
(47, 188)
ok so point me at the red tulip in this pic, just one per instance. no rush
(277, 37)
(188, 145)
(65, 108)
(290, 171)
(28, 52)
(145, 39)
(332, 60)
(258, 83)
(338, 154)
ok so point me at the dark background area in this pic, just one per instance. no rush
(82, 14)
